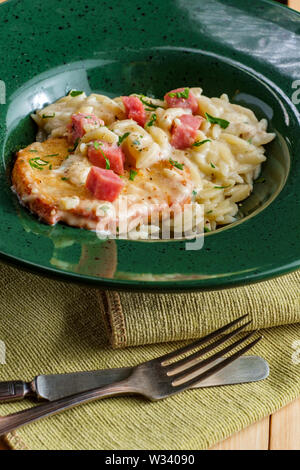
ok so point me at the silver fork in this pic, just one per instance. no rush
(155, 379)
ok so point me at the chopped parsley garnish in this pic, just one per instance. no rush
(212, 165)
(209, 212)
(249, 141)
(33, 164)
(176, 164)
(180, 94)
(136, 142)
(104, 209)
(152, 120)
(76, 93)
(132, 175)
(52, 155)
(260, 180)
(38, 163)
(97, 146)
(122, 137)
(50, 167)
(35, 151)
(107, 162)
(214, 120)
(206, 229)
(194, 193)
(46, 116)
(222, 187)
(75, 145)
(147, 103)
(197, 144)
(65, 179)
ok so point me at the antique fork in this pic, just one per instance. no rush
(156, 379)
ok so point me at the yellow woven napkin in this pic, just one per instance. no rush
(50, 326)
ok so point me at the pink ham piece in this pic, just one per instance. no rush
(184, 134)
(82, 123)
(112, 152)
(134, 109)
(105, 185)
(175, 102)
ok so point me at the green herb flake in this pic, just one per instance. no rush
(52, 155)
(64, 178)
(249, 141)
(147, 103)
(96, 145)
(132, 175)
(194, 193)
(38, 163)
(104, 209)
(222, 122)
(75, 93)
(33, 151)
(222, 187)
(209, 212)
(152, 120)
(180, 94)
(107, 162)
(206, 229)
(176, 164)
(197, 144)
(33, 164)
(212, 165)
(75, 145)
(47, 116)
(122, 138)
(260, 180)
(50, 167)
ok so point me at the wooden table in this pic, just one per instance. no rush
(280, 431)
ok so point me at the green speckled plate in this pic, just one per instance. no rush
(249, 50)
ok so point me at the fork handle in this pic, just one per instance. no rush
(14, 390)
(15, 420)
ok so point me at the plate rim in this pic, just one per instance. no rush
(162, 285)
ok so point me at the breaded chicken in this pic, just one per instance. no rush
(50, 180)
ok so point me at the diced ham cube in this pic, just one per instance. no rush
(105, 185)
(175, 102)
(115, 155)
(135, 109)
(81, 124)
(184, 134)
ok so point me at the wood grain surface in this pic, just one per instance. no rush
(280, 431)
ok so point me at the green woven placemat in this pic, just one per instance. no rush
(138, 318)
(50, 326)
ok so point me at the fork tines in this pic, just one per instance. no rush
(186, 372)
